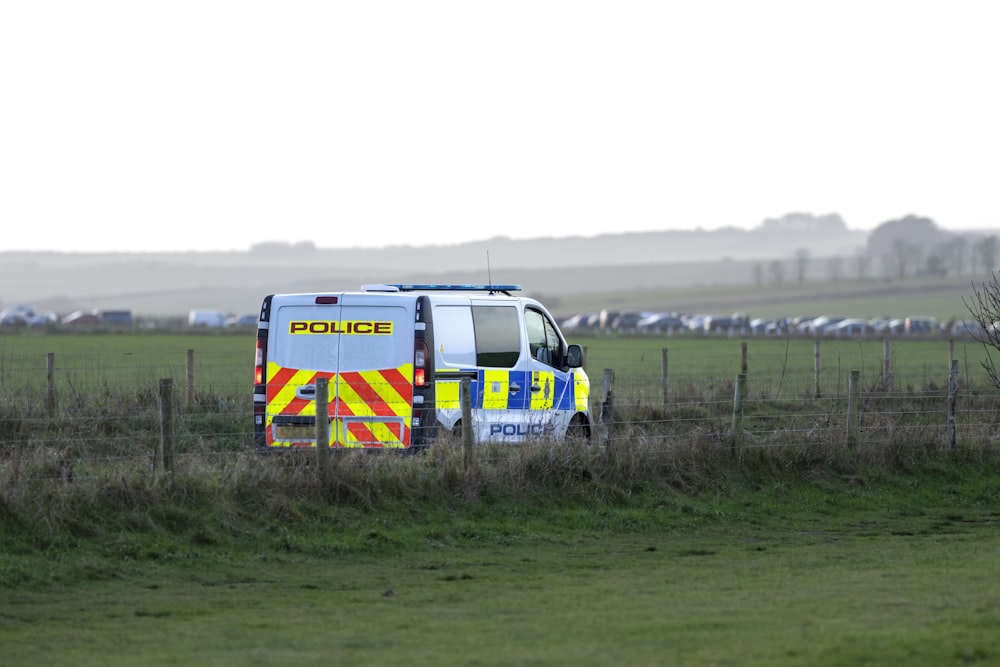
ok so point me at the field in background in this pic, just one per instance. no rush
(934, 297)
(224, 360)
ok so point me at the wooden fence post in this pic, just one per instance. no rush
(190, 379)
(607, 406)
(50, 377)
(952, 401)
(817, 365)
(664, 376)
(468, 433)
(322, 424)
(853, 402)
(739, 395)
(886, 365)
(165, 455)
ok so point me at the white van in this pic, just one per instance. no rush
(395, 356)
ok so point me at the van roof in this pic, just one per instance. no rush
(440, 287)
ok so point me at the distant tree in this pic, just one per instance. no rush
(758, 274)
(801, 264)
(951, 254)
(936, 266)
(986, 251)
(861, 261)
(901, 258)
(777, 270)
(835, 268)
(920, 232)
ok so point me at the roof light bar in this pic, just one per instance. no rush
(457, 288)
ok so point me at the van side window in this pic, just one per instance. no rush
(498, 336)
(543, 341)
(453, 338)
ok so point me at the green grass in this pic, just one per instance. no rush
(665, 548)
(224, 362)
(762, 565)
(773, 361)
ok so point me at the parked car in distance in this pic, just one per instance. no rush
(581, 322)
(661, 323)
(244, 320)
(16, 316)
(206, 318)
(850, 327)
(967, 329)
(81, 318)
(919, 326)
(116, 318)
(43, 318)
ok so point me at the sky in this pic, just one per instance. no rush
(217, 124)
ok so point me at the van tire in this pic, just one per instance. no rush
(578, 429)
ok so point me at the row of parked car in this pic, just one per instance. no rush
(825, 326)
(28, 316)
(14, 317)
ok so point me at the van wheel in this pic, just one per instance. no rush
(456, 430)
(578, 429)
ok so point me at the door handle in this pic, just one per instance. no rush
(515, 388)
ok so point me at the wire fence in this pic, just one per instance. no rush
(96, 414)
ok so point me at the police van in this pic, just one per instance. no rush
(395, 356)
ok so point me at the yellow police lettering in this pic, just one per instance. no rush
(361, 327)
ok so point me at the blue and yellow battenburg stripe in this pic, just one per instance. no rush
(491, 390)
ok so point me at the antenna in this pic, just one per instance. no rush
(489, 271)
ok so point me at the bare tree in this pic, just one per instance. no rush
(801, 264)
(758, 274)
(984, 306)
(951, 255)
(861, 261)
(777, 271)
(986, 251)
(835, 267)
(901, 257)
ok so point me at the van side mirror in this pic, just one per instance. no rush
(574, 356)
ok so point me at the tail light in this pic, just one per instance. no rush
(258, 371)
(420, 362)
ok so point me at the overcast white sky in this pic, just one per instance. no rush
(214, 125)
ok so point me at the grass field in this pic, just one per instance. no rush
(758, 568)
(224, 362)
(669, 547)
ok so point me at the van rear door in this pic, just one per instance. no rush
(363, 344)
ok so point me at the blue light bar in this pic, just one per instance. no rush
(456, 288)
